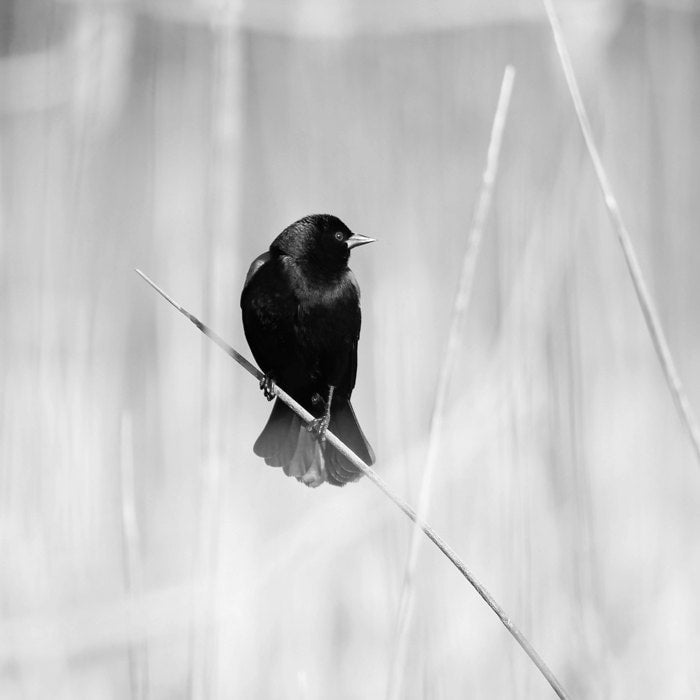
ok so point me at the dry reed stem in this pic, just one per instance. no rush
(646, 302)
(383, 486)
(466, 283)
(133, 570)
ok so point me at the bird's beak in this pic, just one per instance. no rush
(358, 239)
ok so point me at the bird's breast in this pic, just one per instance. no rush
(328, 321)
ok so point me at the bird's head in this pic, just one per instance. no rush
(321, 240)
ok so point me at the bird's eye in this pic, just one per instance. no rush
(338, 235)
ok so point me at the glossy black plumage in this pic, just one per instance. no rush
(301, 316)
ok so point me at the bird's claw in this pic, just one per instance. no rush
(267, 384)
(318, 427)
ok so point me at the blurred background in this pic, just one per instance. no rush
(145, 551)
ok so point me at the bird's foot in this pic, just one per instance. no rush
(267, 384)
(318, 427)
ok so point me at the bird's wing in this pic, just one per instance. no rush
(256, 265)
(269, 308)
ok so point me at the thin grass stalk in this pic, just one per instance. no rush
(646, 302)
(466, 284)
(133, 570)
(384, 487)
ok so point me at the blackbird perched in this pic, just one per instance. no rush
(301, 316)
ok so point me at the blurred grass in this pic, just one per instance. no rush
(566, 482)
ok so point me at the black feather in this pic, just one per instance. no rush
(344, 424)
(301, 316)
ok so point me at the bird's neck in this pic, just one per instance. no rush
(308, 273)
(321, 273)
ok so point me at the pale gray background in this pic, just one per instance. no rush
(145, 552)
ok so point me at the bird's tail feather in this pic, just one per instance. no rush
(341, 471)
(285, 442)
(278, 440)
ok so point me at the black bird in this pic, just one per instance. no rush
(301, 316)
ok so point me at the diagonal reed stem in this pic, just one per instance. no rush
(384, 487)
(646, 302)
(466, 283)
